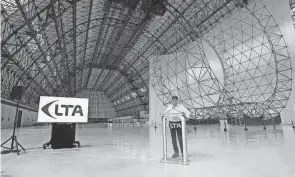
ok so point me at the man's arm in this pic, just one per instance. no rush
(168, 108)
(185, 111)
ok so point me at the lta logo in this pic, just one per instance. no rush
(62, 110)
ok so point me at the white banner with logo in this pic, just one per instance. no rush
(62, 109)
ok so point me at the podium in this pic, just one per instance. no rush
(165, 159)
(62, 136)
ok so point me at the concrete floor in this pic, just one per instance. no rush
(134, 151)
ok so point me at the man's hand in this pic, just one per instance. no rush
(167, 124)
(184, 115)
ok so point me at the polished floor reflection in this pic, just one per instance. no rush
(112, 150)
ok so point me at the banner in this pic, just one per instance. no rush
(62, 109)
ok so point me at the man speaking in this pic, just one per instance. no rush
(174, 112)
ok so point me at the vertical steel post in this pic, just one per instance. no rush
(184, 140)
(164, 139)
